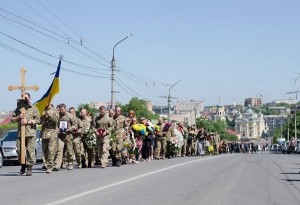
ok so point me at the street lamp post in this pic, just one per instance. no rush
(113, 69)
(169, 99)
(295, 112)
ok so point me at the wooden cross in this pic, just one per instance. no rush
(22, 87)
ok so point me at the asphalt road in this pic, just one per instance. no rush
(226, 180)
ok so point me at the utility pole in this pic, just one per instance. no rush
(113, 69)
(295, 111)
(288, 131)
(169, 99)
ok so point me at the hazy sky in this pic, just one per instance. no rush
(227, 50)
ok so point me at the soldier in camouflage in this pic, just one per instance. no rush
(184, 132)
(30, 120)
(161, 142)
(118, 132)
(103, 126)
(49, 132)
(170, 133)
(216, 143)
(67, 125)
(88, 139)
(191, 141)
(77, 134)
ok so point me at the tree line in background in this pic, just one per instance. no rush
(288, 129)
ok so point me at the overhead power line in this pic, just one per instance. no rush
(137, 77)
(51, 55)
(46, 63)
(65, 40)
(42, 16)
(66, 25)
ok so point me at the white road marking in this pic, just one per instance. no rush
(83, 194)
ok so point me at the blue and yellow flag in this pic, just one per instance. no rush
(52, 90)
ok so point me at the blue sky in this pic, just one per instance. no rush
(227, 50)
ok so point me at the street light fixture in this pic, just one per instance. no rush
(113, 69)
(295, 112)
(169, 99)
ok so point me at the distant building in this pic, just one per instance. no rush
(232, 110)
(287, 101)
(252, 102)
(160, 110)
(275, 121)
(97, 104)
(188, 111)
(215, 112)
(188, 106)
(250, 125)
(5, 117)
(149, 106)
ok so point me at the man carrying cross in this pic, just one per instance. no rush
(29, 119)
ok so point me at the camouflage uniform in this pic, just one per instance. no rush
(161, 142)
(170, 134)
(77, 143)
(118, 132)
(65, 141)
(184, 133)
(216, 143)
(103, 142)
(89, 142)
(191, 143)
(32, 114)
(49, 134)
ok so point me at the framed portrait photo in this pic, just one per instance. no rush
(63, 126)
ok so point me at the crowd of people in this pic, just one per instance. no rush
(86, 140)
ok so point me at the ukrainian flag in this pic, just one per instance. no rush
(52, 90)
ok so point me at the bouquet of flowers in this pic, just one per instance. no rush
(139, 129)
(174, 146)
(150, 127)
(157, 128)
(127, 144)
(133, 150)
(179, 137)
(101, 132)
(113, 137)
(211, 149)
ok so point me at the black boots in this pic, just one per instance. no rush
(23, 168)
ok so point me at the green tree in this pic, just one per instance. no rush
(218, 126)
(230, 123)
(264, 109)
(91, 110)
(205, 123)
(289, 127)
(139, 106)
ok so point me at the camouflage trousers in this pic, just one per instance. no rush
(183, 148)
(103, 146)
(77, 147)
(216, 148)
(116, 147)
(191, 148)
(64, 142)
(88, 154)
(161, 145)
(49, 151)
(29, 149)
